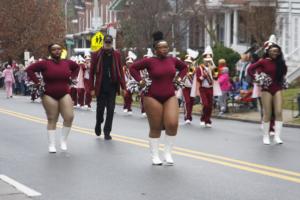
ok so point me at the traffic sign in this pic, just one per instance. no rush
(97, 41)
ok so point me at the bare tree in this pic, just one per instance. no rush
(31, 25)
(260, 20)
(142, 18)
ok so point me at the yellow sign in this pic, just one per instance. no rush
(97, 41)
(64, 54)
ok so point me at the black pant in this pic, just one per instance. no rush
(106, 100)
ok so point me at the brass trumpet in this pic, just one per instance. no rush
(191, 70)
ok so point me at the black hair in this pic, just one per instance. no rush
(51, 45)
(279, 61)
(255, 57)
(157, 36)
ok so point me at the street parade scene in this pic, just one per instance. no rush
(143, 100)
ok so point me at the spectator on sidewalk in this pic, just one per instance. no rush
(225, 85)
(9, 80)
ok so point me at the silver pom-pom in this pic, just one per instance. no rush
(147, 86)
(134, 87)
(263, 80)
(179, 84)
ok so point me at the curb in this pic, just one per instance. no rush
(289, 125)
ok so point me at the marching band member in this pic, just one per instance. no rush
(128, 96)
(80, 83)
(160, 101)
(57, 74)
(73, 89)
(144, 75)
(86, 81)
(188, 82)
(269, 72)
(204, 76)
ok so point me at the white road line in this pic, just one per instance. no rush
(22, 188)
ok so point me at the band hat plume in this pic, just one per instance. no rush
(208, 50)
(131, 57)
(272, 40)
(192, 53)
(81, 59)
(149, 53)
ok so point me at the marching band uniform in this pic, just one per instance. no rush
(144, 75)
(86, 81)
(80, 85)
(186, 91)
(128, 96)
(204, 75)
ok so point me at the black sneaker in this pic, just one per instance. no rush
(98, 129)
(107, 137)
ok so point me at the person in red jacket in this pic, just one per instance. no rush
(273, 69)
(57, 75)
(160, 102)
(107, 69)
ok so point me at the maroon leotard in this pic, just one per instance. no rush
(162, 73)
(55, 75)
(267, 66)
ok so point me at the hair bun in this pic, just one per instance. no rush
(157, 36)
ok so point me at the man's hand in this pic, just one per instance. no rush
(142, 83)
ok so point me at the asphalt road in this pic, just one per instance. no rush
(227, 162)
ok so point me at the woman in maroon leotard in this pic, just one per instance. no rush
(160, 102)
(274, 66)
(56, 100)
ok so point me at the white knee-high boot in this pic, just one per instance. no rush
(64, 136)
(278, 128)
(266, 137)
(51, 141)
(154, 149)
(169, 143)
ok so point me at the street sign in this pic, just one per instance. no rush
(97, 41)
(64, 54)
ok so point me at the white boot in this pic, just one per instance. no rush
(169, 142)
(154, 149)
(278, 128)
(51, 141)
(266, 137)
(64, 136)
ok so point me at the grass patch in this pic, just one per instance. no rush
(289, 97)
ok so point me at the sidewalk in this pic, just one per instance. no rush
(8, 192)
(254, 117)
